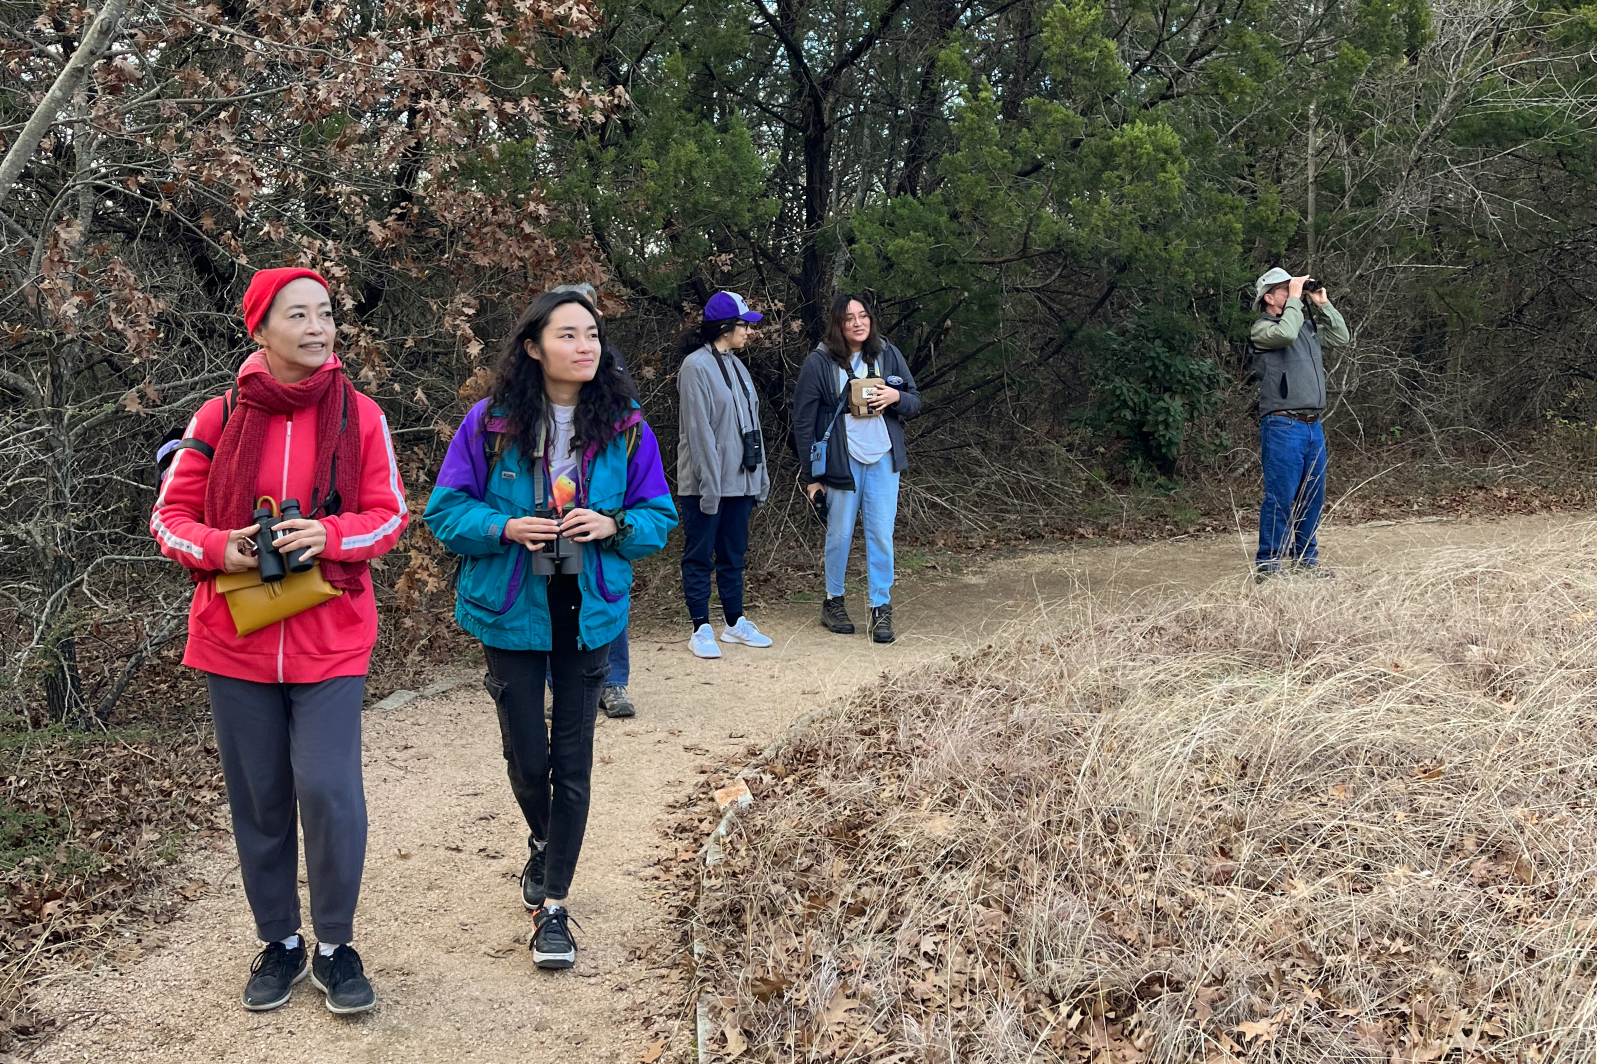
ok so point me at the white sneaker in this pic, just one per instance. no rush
(703, 642)
(744, 632)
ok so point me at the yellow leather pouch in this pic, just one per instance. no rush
(254, 604)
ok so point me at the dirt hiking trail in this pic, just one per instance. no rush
(441, 925)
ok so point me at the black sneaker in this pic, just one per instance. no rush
(835, 618)
(273, 975)
(342, 978)
(532, 882)
(615, 703)
(882, 623)
(552, 946)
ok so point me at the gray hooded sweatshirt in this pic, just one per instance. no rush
(710, 438)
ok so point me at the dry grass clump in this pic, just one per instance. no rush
(1318, 820)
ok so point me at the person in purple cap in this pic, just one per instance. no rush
(558, 450)
(721, 471)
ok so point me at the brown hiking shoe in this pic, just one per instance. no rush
(835, 618)
(882, 623)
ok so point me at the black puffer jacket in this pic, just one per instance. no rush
(816, 404)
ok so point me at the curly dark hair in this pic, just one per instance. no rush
(518, 392)
(836, 345)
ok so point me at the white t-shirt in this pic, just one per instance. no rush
(868, 440)
(562, 462)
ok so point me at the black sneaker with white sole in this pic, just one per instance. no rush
(273, 974)
(532, 882)
(342, 977)
(552, 945)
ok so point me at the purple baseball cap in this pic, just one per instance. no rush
(725, 305)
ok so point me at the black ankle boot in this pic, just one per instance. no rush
(835, 618)
(882, 623)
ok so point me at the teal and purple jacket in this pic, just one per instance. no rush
(497, 599)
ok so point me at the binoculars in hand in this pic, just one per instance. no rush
(558, 555)
(274, 563)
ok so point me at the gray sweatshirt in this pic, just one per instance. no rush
(710, 439)
(1287, 356)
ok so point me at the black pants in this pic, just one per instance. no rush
(715, 542)
(551, 765)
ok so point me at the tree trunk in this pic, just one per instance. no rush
(66, 85)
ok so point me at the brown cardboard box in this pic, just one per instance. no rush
(857, 397)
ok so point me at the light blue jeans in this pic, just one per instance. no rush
(878, 496)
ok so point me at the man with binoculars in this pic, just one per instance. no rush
(1285, 344)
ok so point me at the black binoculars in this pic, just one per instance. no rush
(753, 450)
(1312, 285)
(558, 555)
(274, 564)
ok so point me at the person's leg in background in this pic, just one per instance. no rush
(879, 488)
(1281, 456)
(842, 512)
(1309, 505)
(698, 554)
(731, 553)
(614, 700)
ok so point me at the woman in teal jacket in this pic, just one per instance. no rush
(551, 489)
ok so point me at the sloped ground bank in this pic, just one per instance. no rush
(1316, 820)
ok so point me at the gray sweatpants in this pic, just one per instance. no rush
(283, 743)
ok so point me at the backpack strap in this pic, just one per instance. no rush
(167, 455)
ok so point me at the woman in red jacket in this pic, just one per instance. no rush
(286, 698)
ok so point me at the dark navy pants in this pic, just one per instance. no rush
(620, 660)
(715, 543)
(1294, 459)
(288, 745)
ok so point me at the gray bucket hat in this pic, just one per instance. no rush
(1274, 276)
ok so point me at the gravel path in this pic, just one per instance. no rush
(441, 924)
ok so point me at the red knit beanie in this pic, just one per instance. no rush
(264, 287)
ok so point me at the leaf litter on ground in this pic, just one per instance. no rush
(1313, 820)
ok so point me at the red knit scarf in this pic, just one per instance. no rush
(235, 471)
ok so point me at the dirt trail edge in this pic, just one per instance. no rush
(441, 924)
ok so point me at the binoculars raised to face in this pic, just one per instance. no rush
(1313, 285)
(274, 563)
(558, 555)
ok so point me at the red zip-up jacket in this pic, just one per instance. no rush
(334, 638)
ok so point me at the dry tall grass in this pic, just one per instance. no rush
(1317, 820)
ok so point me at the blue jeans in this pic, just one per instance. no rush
(877, 495)
(1294, 459)
(715, 543)
(620, 660)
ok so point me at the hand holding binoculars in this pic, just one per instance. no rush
(274, 564)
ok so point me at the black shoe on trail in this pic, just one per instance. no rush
(882, 623)
(552, 945)
(273, 975)
(615, 703)
(342, 978)
(835, 618)
(532, 882)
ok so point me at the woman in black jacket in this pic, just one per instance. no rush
(855, 460)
